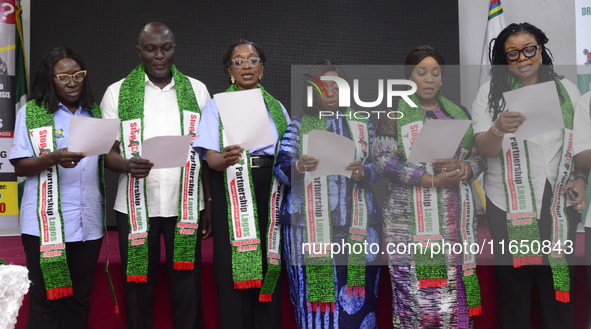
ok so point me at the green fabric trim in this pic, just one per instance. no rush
(319, 270)
(131, 106)
(56, 273)
(560, 271)
(247, 265)
(37, 117)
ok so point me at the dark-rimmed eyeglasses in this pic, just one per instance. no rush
(66, 78)
(528, 52)
(252, 62)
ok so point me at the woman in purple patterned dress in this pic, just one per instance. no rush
(427, 296)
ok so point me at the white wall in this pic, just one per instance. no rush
(555, 17)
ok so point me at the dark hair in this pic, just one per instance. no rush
(500, 73)
(43, 82)
(226, 59)
(318, 70)
(416, 55)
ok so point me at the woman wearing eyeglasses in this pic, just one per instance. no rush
(61, 216)
(247, 262)
(526, 181)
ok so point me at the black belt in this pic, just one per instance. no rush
(261, 161)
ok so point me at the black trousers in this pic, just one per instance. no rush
(185, 285)
(240, 308)
(514, 285)
(66, 312)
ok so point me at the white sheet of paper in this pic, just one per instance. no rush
(167, 151)
(335, 152)
(245, 119)
(540, 104)
(92, 136)
(438, 139)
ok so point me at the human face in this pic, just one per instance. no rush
(427, 76)
(526, 69)
(331, 101)
(246, 77)
(69, 93)
(156, 50)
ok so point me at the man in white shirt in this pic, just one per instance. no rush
(157, 102)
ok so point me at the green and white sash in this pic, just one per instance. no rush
(56, 275)
(131, 112)
(427, 210)
(247, 270)
(316, 209)
(522, 211)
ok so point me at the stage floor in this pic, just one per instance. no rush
(102, 310)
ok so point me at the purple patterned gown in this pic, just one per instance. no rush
(413, 307)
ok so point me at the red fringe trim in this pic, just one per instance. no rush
(475, 311)
(57, 293)
(183, 266)
(432, 283)
(357, 291)
(137, 278)
(264, 298)
(530, 260)
(248, 284)
(322, 307)
(117, 311)
(562, 296)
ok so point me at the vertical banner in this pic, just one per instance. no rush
(583, 49)
(583, 58)
(8, 99)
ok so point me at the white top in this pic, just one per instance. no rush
(544, 151)
(582, 133)
(161, 118)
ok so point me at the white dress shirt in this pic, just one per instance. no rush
(582, 133)
(544, 151)
(161, 118)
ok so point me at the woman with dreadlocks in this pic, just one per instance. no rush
(526, 181)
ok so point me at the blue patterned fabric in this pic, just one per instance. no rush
(340, 186)
(350, 311)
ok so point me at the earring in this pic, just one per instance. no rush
(541, 59)
(261, 76)
(232, 79)
(440, 83)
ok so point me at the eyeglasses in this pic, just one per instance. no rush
(252, 62)
(66, 78)
(528, 52)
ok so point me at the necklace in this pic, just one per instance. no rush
(429, 109)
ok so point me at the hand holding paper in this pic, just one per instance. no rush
(167, 151)
(333, 152)
(540, 104)
(92, 136)
(438, 139)
(245, 119)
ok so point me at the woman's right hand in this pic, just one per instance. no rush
(307, 163)
(66, 159)
(232, 153)
(456, 177)
(509, 122)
